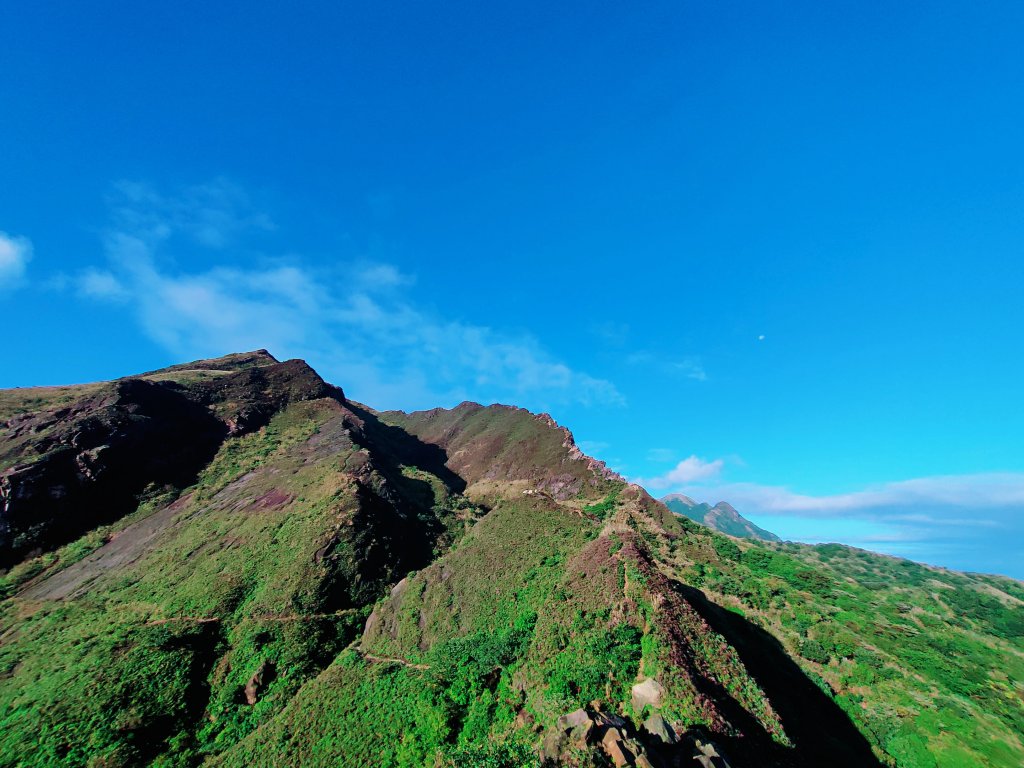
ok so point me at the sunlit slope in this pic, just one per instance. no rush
(339, 587)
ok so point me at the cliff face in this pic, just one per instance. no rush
(501, 446)
(229, 562)
(94, 455)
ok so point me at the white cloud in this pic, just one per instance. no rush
(691, 368)
(212, 215)
(100, 284)
(984, 490)
(383, 276)
(357, 326)
(973, 522)
(689, 470)
(688, 367)
(15, 254)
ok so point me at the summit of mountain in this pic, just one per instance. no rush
(721, 517)
(229, 562)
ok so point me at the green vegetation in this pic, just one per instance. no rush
(329, 592)
(928, 663)
(603, 507)
(721, 517)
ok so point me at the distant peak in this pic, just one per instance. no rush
(680, 497)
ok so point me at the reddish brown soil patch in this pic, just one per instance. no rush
(272, 499)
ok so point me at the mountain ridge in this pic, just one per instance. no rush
(460, 587)
(721, 517)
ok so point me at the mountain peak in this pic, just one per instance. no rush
(224, 560)
(680, 498)
(542, 455)
(722, 517)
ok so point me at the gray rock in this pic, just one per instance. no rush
(647, 693)
(612, 734)
(576, 726)
(658, 727)
(619, 754)
(574, 720)
(254, 687)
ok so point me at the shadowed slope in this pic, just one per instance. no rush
(322, 584)
(821, 732)
(496, 446)
(91, 458)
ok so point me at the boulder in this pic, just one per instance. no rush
(574, 719)
(554, 743)
(647, 693)
(254, 687)
(577, 726)
(619, 754)
(659, 729)
(706, 748)
(612, 734)
(574, 728)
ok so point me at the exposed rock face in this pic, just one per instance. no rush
(647, 693)
(619, 753)
(71, 468)
(617, 738)
(569, 443)
(254, 687)
(657, 727)
(476, 440)
(571, 730)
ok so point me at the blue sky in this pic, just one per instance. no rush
(770, 253)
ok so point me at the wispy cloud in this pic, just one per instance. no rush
(15, 254)
(690, 470)
(977, 491)
(661, 455)
(211, 214)
(101, 284)
(358, 325)
(973, 522)
(689, 367)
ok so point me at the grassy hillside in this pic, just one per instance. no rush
(338, 587)
(928, 663)
(137, 642)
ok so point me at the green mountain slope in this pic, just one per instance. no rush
(340, 587)
(722, 517)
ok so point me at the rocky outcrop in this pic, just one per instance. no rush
(71, 468)
(476, 440)
(655, 745)
(648, 693)
(656, 727)
(256, 684)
